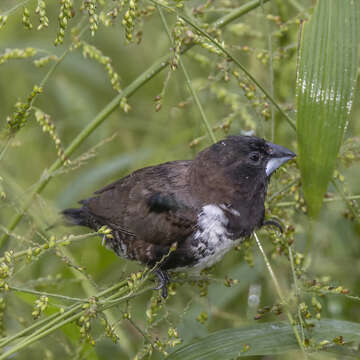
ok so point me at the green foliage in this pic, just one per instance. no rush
(132, 83)
(256, 340)
(325, 93)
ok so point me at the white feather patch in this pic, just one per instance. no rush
(211, 240)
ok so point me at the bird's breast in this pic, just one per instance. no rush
(211, 239)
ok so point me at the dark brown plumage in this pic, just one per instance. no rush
(205, 205)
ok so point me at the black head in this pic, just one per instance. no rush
(240, 160)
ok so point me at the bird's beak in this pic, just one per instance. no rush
(278, 156)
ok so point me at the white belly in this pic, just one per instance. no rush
(212, 258)
(211, 240)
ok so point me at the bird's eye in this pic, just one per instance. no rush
(254, 156)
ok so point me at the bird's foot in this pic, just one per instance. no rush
(164, 280)
(273, 222)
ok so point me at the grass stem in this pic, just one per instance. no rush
(281, 297)
(231, 57)
(188, 81)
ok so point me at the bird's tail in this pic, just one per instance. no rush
(78, 216)
(71, 217)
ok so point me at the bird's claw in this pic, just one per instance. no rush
(273, 222)
(164, 280)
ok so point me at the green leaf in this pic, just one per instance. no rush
(325, 89)
(263, 339)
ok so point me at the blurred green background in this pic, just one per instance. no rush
(265, 40)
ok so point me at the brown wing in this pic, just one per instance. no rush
(152, 205)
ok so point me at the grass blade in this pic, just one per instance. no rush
(263, 339)
(325, 89)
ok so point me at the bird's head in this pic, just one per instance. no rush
(240, 160)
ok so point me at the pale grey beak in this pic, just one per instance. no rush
(278, 156)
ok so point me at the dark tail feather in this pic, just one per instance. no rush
(71, 217)
(76, 216)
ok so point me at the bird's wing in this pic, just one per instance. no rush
(152, 205)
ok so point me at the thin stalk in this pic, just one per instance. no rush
(310, 235)
(57, 315)
(14, 8)
(242, 10)
(42, 84)
(292, 203)
(215, 10)
(311, 227)
(46, 246)
(188, 81)
(281, 296)
(5, 147)
(271, 74)
(345, 199)
(297, 5)
(112, 288)
(126, 297)
(285, 188)
(272, 274)
(297, 292)
(356, 298)
(51, 295)
(23, 332)
(38, 336)
(56, 320)
(111, 107)
(90, 289)
(114, 297)
(49, 321)
(65, 318)
(232, 57)
(52, 69)
(140, 331)
(87, 284)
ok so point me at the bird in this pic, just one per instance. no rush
(186, 214)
